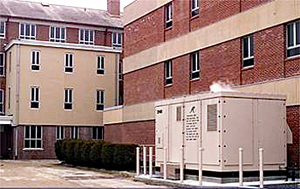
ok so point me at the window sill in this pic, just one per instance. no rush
(169, 28)
(194, 17)
(195, 79)
(292, 58)
(33, 149)
(169, 85)
(248, 68)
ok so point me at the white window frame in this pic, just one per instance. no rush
(2, 64)
(118, 37)
(31, 29)
(69, 65)
(84, 41)
(248, 38)
(100, 65)
(100, 100)
(60, 132)
(168, 72)
(73, 131)
(97, 133)
(61, 38)
(36, 138)
(35, 62)
(34, 97)
(68, 99)
(295, 45)
(194, 9)
(169, 15)
(2, 35)
(197, 65)
(2, 101)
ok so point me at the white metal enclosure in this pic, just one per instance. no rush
(221, 123)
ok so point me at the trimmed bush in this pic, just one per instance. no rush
(99, 154)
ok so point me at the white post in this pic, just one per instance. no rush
(200, 166)
(261, 168)
(145, 159)
(137, 161)
(181, 165)
(165, 163)
(150, 162)
(241, 166)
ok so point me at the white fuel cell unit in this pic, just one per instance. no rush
(221, 123)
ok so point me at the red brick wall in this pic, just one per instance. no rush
(140, 132)
(144, 85)
(144, 33)
(100, 38)
(12, 31)
(181, 81)
(246, 4)
(49, 139)
(42, 32)
(293, 120)
(292, 67)
(72, 35)
(269, 52)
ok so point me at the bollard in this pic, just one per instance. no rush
(261, 169)
(165, 163)
(137, 161)
(200, 166)
(150, 162)
(181, 165)
(241, 166)
(145, 159)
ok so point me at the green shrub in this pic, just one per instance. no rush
(58, 150)
(95, 154)
(70, 151)
(107, 155)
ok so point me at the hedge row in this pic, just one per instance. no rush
(99, 154)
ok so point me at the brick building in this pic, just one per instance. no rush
(174, 48)
(58, 70)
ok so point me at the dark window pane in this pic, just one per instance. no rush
(33, 132)
(251, 46)
(62, 132)
(57, 33)
(86, 35)
(101, 133)
(102, 62)
(32, 144)
(27, 131)
(81, 35)
(71, 60)
(298, 33)
(35, 67)
(120, 38)
(34, 105)
(101, 97)
(68, 106)
(52, 32)
(91, 36)
(94, 133)
(245, 47)
(195, 12)
(68, 69)
(249, 62)
(168, 24)
(195, 75)
(169, 81)
(100, 106)
(114, 37)
(100, 71)
(39, 144)
(33, 30)
(22, 29)
(293, 52)
(62, 34)
(33, 58)
(39, 132)
(26, 144)
(57, 132)
(27, 30)
(290, 35)
(37, 57)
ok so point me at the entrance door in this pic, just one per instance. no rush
(5, 141)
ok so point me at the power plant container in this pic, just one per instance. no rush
(221, 123)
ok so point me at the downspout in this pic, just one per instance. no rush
(17, 105)
(117, 79)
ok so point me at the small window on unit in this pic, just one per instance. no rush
(248, 51)
(168, 73)
(178, 113)
(194, 8)
(168, 15)
(212, 118)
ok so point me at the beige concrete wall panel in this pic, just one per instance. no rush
(113, 116)
(256, 19)
(139, 112)
(51, 79)
(140, 8)
(290, 87)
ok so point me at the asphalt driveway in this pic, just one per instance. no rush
(51, 174)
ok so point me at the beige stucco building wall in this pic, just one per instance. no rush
(52, 80)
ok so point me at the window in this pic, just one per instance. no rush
(98, 133)
(195, 73)
(74, 133)
(168, 15)
(178, 113)
(60, 132)
(116, 39)
(68, 99)
(27, 31)
(194, 8)
(2, 29)
(100, 64)
(248, 55)
(86, 37)
(2, 64)
(33, 137)
(100, 100)
(168, 72)
(293, 39)
(35, 60)
(69, 62)
(212, 117)
(1, 101)
(34, 103)
(57, 34)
